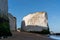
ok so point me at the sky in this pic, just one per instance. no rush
(21, 8)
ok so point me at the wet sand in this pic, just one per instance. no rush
(27, 36)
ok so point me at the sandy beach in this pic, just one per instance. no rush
(27, 36)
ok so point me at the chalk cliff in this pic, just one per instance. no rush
(35, 22)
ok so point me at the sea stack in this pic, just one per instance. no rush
(35, 22)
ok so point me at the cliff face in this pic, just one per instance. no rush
(38, 18)
(4, 6)
(35, 22)
(12, 22)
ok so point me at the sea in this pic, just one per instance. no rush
(55, 37)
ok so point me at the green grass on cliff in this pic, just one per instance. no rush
(4, 27)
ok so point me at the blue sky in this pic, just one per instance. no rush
(21, 8)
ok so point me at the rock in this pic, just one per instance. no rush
(4, 6)
(12, 22)
(4, 20)
(35, 22)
